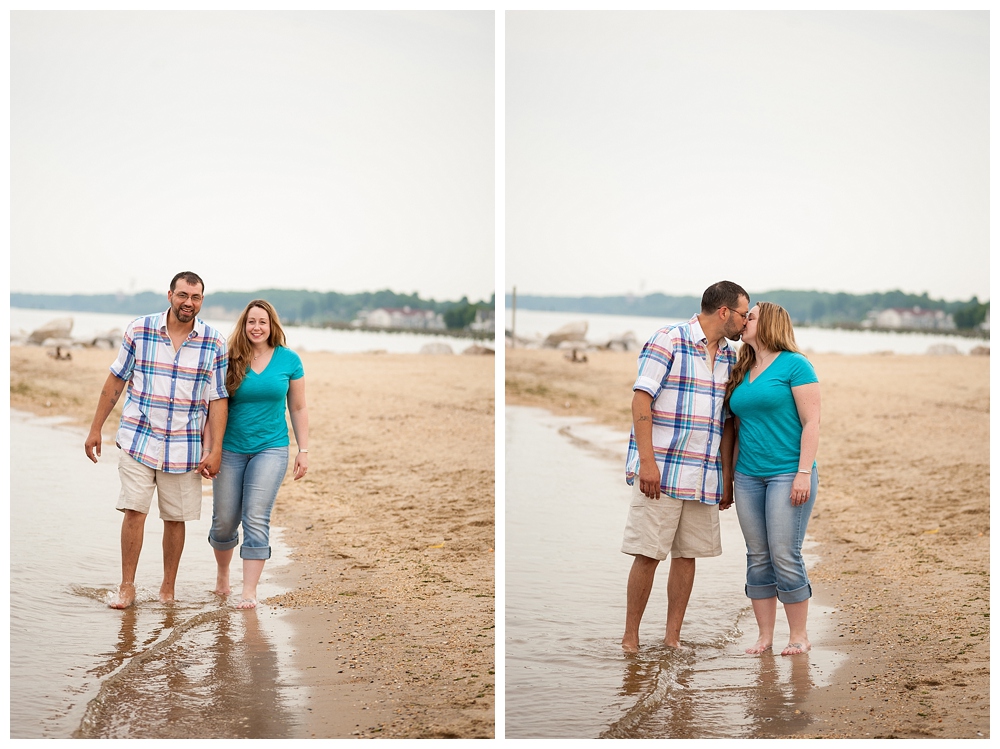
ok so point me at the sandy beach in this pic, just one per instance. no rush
(902, 523)
(392, 531)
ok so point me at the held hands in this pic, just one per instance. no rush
(209, 465)
(801, 487)
(727, 494)
(301, 466)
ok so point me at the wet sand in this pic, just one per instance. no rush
(902, 525)
(392, 575)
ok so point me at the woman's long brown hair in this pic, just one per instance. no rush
(240, 348)
(774, 333)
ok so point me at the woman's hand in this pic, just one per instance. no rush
(301, 466)
(801, 487)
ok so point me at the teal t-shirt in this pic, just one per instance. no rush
(770, 430)
(257, 408)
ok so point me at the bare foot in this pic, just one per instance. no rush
(761, 646)
(676, 645)
(222, 584)
(166, 593)
(126, 596)
(795, 648)
(630, 645)
(247, 603)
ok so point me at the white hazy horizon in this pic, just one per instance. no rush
(330, 150)
(661, 151)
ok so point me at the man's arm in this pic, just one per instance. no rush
(218, 415)
(110, 394)
(642, 422)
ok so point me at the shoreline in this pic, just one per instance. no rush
(902, 523)
(391, 575)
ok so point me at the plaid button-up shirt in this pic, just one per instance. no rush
(166, 405)
(687, 411)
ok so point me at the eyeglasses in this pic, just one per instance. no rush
(744, 315)
(182, 296)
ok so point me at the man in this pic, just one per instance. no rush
(174, 366)
(679, 479)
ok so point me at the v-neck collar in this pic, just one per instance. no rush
(269, 360)
(751, 379)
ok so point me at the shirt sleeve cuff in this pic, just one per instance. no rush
(647, 385)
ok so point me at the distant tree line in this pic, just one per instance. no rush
(805, 307)
(294, 306)
(972, 314)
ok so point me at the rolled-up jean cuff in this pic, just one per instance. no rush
(223, 545)
(255, 552)
(759, 592)
(796, 596)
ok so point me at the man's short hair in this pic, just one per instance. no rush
(189, 277)
(722, 294)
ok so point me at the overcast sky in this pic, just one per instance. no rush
(333, 151)
(663, 151)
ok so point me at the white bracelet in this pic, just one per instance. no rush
(303, 451)
(809, 472)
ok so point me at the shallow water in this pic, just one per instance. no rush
(195, 668)
(566, 676)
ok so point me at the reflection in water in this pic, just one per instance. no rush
(649, 680)
(566, 676)
(214, 675)
(772, 705)
(692, 693)
(193, 668)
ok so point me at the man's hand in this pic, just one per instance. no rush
(209, 465)
(649, 480)
(93, 445)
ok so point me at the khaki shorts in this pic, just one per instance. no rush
(678, 527)
(178, 495)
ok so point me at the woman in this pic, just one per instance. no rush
(263, 375)
(774, 394)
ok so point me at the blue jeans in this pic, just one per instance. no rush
(245, 490)
(774, 531)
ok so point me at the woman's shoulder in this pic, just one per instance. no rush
(798, 364)
(796, 357)
(291, 361)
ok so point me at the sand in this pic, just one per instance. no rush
(902, 522)
(392, 534)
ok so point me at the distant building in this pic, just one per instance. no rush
(910, 318)
(485, 320)
(985, 324)
(405, 317)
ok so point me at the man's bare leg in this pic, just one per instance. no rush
(640, 583)
(222, 560)
(173, 545)
(133, 525)
(679, 585)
